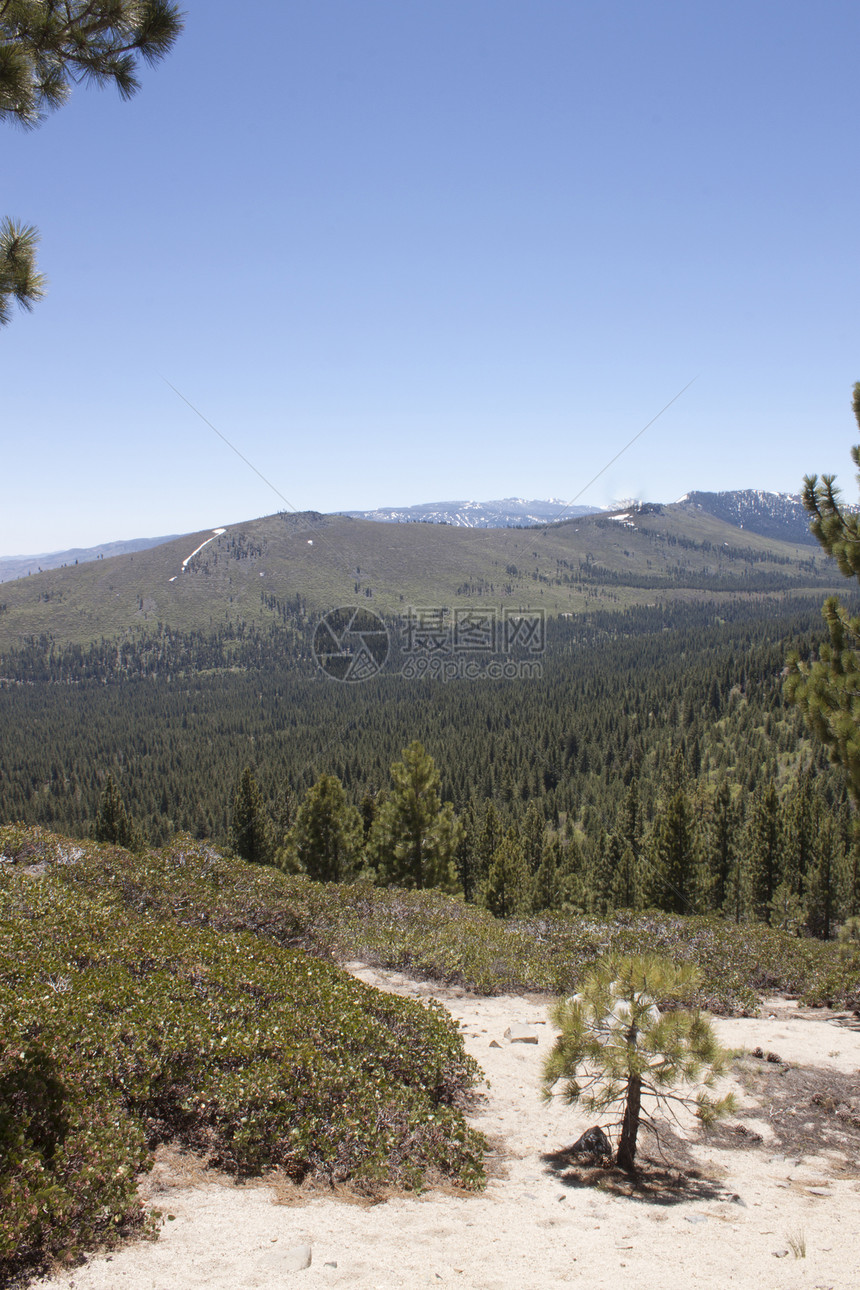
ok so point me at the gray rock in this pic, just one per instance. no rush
(294, 1260)
(594, 1144)
(520, 1034)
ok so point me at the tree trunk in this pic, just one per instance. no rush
(630, 1125)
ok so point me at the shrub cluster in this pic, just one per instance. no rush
(181, 994)
(127, 1020)
(443, 938)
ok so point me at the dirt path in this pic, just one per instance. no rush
(737, 1223)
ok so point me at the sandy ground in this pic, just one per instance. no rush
(738, 1210)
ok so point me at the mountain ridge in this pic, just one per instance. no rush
(505, 512)
(779, 515)
(772, 514)
(13, 567)
(279, 571)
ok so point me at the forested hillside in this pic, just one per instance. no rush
(653, 763)
(280, 569)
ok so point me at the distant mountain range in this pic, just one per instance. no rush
(281, 572)
(773, 515)
(21, 566)
(508, 513)
(776, 515)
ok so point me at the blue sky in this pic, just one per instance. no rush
(409, 250)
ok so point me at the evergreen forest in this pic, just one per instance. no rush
(653, 763)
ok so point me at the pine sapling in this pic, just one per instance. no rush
(619, 1050)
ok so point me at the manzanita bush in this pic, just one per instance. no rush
(185, 995)
(123, 1026)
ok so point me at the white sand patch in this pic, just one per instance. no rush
(529, 1229)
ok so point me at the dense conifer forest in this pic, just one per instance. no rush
(653, 764)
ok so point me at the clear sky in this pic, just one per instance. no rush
(410, 250)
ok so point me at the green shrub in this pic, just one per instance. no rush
(441, 937)
(127, 1020)
(181, 994)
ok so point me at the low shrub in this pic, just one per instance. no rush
(182, 994)
(126, 1022)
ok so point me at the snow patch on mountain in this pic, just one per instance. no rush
(188, 558)
(507, 512)
(774, 515)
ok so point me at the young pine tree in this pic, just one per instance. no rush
(112, 822)
(718, 849)
(670, 878)
(617, 1051)
(822, 880)
(549, 886)
(488, 841)
(764, 848)
(506, 890)
(532, 832)
(604, 868)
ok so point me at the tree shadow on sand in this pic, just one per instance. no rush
(657, 1181)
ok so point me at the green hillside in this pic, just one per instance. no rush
(264, 571)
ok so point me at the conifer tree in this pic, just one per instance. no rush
(20, 282)
(112, 822)
(489, 838)
(467, 846)
(800, 824)
(368, 808)
(718, 856)
(827, 689)
(618, 1051)
(669, 881)
(251, 828)
(822, 885)
(414, 837)
(764, 852)
(549, 886)
(629, 821)
(506, 889)
(849, 880)
(606, 860)
(532, 832)
(326, 838)
(286, 808)
(624, 880)
(46, 46)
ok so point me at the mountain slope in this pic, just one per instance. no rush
(21, 566)
(283, 568)
(776, 515)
